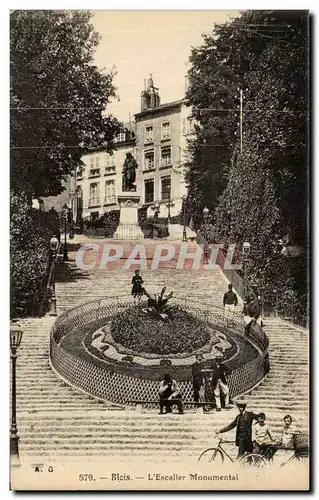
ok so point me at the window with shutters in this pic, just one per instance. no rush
(149, 134)
(109, 192)
(166, 156)
(165, 130)
(149, 160)
(94, 199)
(166, 188)
(149, 191)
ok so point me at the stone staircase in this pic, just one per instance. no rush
(55, 422)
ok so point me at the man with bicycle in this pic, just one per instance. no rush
(243, 423)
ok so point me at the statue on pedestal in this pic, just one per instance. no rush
(129, 173)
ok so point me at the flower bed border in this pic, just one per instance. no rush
(116, 385)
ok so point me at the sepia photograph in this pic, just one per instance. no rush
(159, 250)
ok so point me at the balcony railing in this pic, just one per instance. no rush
(166, 161)
(149, 165)
(109, 200)
(94, 202)
(94, 173)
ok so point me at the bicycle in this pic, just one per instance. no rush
(218, 454)
(300, 449)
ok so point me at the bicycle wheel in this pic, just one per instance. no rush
(253, 460)
(211, 455)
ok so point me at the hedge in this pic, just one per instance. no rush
(30, 233)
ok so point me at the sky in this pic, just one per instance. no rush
(138, 43)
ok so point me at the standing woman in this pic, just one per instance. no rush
(137, 281)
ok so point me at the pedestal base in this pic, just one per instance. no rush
(128, 232)
(128, 228)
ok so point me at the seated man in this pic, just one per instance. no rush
(169, 390)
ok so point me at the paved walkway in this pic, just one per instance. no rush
(55, 421)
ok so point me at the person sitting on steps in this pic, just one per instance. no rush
(168, 391)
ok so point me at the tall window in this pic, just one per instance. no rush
(166, 188)
(109, 160)
(149, 190)
(94, 194)
(149, 160)
(149, 134)
(109, 164)
(94, 166)
(120, 137)
(166, 157)
(109, 191)
(165, 130)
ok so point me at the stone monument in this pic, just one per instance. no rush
(128, 228)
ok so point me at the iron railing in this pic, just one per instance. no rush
(109, 382)
(267, 309)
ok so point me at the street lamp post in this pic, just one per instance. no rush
(156, 208)
(54, 245)
(184, 239)
(205, 216)
(246, 252)
(16, 333)
(65, 213)
(169, 205)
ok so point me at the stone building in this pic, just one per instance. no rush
(100, 180)
(161, 151)
(158, 141)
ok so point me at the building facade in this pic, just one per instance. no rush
(161, 151)
(158, 142)
(100, 180)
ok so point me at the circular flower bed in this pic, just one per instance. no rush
(180, 332)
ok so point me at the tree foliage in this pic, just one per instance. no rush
(58, 98)
(30, 233)
(265, 54)
(257, 192)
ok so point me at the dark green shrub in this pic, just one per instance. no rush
(181, 333)
(30, 233)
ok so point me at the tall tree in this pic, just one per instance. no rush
(265, 54)
(58, 98)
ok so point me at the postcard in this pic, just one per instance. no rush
(159, 211)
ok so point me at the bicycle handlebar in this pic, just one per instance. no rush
(221, 440)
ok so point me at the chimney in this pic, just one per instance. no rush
(149, 96)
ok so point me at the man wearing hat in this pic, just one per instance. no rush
(220, 385)
(243, 423)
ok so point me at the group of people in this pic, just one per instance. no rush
(253, 434)
(210, 383)
(257, 437)
(251, 311)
